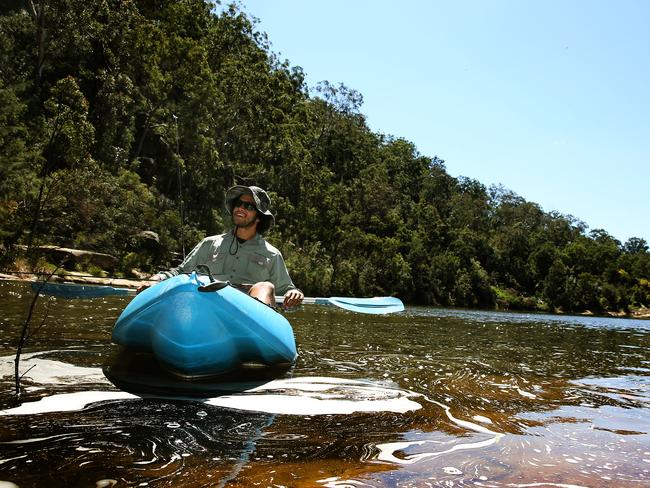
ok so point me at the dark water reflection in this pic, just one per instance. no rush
(429, 397)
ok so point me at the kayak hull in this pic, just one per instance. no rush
(196, 334)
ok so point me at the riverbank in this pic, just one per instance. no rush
(640, 313)
(75, 277)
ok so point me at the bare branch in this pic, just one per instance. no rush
(25, 332)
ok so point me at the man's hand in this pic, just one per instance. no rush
(293, 298)
(146, 284)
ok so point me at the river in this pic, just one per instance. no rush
(427, 397)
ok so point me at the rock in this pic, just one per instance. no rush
(139, 274)
(149, 235)
(57, 254)
(149, 241)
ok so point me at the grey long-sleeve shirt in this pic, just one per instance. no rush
(255, 260)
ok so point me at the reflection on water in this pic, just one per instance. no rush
(429, 397)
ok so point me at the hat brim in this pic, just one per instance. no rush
(239, 190)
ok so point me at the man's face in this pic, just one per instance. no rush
(242, 217)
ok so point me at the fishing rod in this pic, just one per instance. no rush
(180, 186)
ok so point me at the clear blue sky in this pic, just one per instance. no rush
(549, 98)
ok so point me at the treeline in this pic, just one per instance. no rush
(122, 117)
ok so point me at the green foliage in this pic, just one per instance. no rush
(70, 135)
(120, 121)
(311, 267)
(509, 299)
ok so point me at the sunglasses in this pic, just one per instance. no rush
(247, 205)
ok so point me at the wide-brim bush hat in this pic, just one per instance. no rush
(262, 202)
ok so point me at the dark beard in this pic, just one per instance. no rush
(251, 223)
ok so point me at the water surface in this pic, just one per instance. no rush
(428, 397)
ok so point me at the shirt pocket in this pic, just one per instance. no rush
(259, 267)
(218, 263)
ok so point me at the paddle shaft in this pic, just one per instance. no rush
(376, 305)
(307, 300)
(76, 290)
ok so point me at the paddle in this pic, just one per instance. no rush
(376, 305)
(75, 290)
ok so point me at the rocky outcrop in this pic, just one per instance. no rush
(70, 257)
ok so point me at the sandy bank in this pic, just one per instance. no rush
(73, 277)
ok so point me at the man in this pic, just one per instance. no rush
(242, 256)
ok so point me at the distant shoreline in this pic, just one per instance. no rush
(81, 278)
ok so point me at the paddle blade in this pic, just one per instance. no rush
(73, 290)
(376, 305)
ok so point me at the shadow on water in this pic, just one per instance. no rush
(85, 431)
(140, 373)
(153, 441)
(160, 433)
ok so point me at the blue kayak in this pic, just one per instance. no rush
(197, 329)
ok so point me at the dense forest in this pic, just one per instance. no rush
(123, 122)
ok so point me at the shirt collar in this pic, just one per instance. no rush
(253, 240)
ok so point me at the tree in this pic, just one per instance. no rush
(555, 289)
(635, 245)
(69, 138)
(123, 117)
